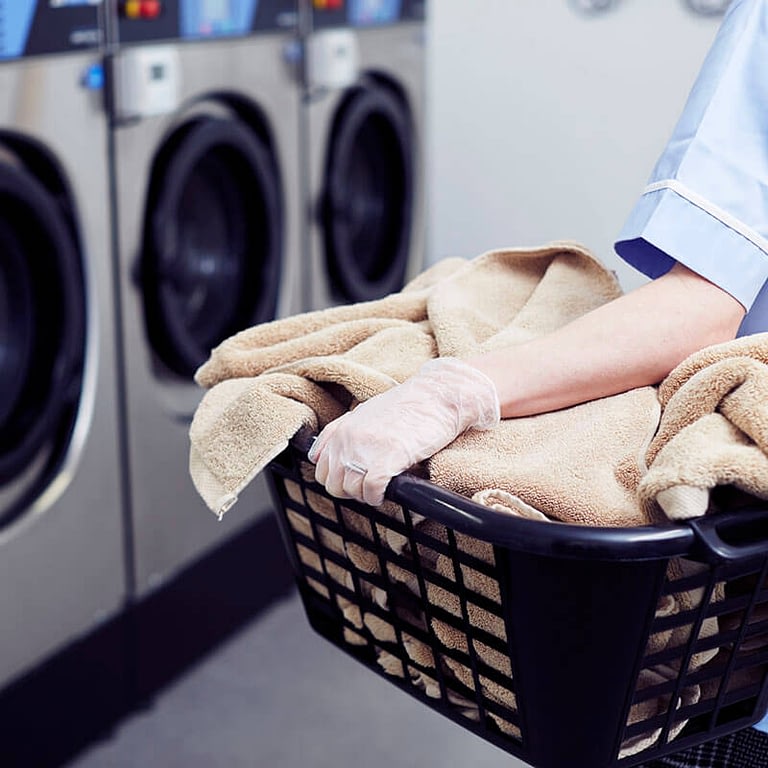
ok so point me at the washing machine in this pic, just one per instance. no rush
(363, 127)
(62, 566)
(204, 104)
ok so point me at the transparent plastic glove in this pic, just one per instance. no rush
(358, 454)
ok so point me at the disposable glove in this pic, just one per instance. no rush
(359, 453)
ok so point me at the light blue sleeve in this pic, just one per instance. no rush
(762, 725)
(706, 204)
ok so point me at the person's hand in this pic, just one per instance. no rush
(359, 453)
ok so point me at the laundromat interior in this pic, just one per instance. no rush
(176, 171)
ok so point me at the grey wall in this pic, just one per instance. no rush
(544, 123)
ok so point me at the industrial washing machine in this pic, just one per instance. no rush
(62, 566)
(363, 126)
(205, 126)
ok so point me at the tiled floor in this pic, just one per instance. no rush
(278, 695)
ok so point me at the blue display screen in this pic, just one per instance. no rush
(364, 13)
(31, 27)
(15, 20)
(216, 18)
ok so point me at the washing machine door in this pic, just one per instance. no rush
(42, 338)
(213, 240)
(367, 206)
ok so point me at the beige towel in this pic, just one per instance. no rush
(714, 429)
(577, 465)
(581, 464)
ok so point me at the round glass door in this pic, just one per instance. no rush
(213, 240)
(42, 337)
(368, 200)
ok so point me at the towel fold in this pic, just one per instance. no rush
(713, 431)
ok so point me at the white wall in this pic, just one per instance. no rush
(545, 124)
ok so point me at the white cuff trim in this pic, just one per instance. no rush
(713, 210)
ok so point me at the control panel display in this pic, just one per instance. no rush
(363, 13)
(15, 21)
(216, 18)
(329, 14)
(143, 21)
(30, 27)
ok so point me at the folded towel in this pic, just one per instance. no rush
(713, 431)
(269, 381)
(577, 465)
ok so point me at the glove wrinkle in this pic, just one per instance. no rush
(397, 429)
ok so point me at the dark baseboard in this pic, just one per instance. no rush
(81, 694)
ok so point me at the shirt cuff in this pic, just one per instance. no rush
(665, 228)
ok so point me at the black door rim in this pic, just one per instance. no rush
(207, 278)
(367, 208)
(44, 267)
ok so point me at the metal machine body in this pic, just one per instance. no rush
(205, 183)
(62, 567)
(364, 132)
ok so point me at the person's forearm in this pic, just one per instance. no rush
(630, 342)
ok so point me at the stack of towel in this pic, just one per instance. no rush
(269, 381)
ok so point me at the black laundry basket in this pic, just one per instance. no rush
(562, 645)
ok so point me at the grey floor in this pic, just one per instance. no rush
(278, 695)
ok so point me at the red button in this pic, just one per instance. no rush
(150, 9)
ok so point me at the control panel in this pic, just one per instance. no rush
(34, 27)
(141, 21)
(365, 13)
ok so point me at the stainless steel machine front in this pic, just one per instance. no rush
(62, 568)
(205, 173)
(364, 128)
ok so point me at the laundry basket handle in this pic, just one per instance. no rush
(736, 534)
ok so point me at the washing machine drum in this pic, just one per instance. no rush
(213, 240)
(42, 337)
(367, 208)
